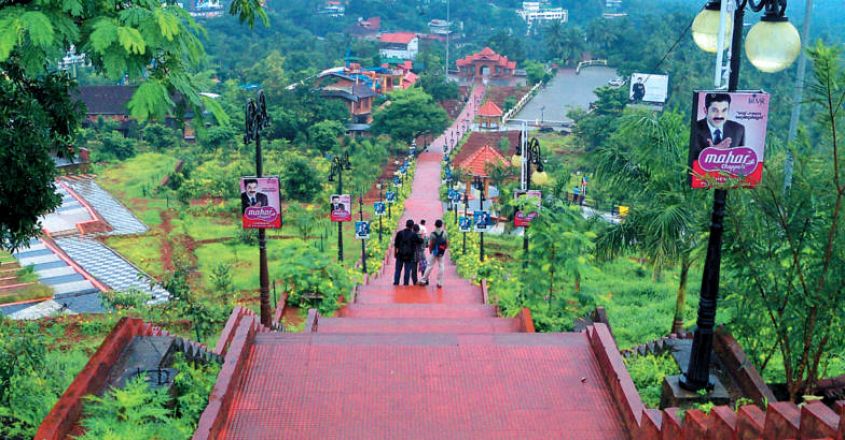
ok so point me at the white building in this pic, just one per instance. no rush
(399, 45)
(439, 27)
(533, 12)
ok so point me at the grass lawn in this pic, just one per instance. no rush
(206, 227)
(134, 183)
(143, 250)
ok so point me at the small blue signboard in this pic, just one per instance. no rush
(481, 221)
(397, 181)
(390, 196)
(465, 224)
(457, 197)
(378, 208)
(362, 230)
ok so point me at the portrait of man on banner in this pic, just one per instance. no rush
(341, 208)
(378, 208)
(362, 230)
(481, 221)
(465, 224)
(260, 203)
(728, 137)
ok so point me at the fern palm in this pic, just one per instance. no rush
(646, 161)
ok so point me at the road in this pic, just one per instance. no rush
(564, 92)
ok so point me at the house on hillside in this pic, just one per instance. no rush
(358, 97)
(486, 65)
(332, 8)
(398, 46)
(110, 103)
(365, 29)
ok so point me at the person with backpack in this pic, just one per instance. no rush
(438, 243)
(404, 249)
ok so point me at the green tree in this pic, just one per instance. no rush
(145, 41)
(786, 251)
(112, 146)
(410, 113)
(536, 72)
(300, 180)
(645, 162)
(561, 252)
(160, 136)
(324, 135)
(437, 86)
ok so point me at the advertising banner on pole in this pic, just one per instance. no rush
(728, 138)
(378, 208)
(481, 221)
(530, 201)
(465, 224)
(260, 204)
(341, 208)
(362, 230)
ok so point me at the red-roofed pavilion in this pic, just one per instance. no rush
(490, 115)
(476, 163)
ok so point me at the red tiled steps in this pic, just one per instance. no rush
(418, 295)
(422, 386)
(418, 311)
(417, 325)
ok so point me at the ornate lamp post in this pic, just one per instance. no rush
(256, 120)
(524, 159)
(478, 183)
(466, 204)
(771, 45)
(381, 199)
(363, 242)
(339, 163)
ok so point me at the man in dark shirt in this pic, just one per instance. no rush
(404, 246)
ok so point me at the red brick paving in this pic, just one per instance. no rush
(423, 363)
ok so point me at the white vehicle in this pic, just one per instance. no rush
(616, 82)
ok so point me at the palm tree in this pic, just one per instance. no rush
(646, 161)
(554, 37)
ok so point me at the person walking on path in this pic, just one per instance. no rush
(438, 243)
(419, 253)
(404, 248)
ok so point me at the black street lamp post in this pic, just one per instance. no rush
(533, 156)
(466, 204)
(363, 241)
(339, 163)
(697, 375)
(478, 182)
(381, 199)
(256, 120)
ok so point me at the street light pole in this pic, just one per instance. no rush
(381, 199)
(256, 120)
(697, 375)
(479, 181)
(466, 203)
(363, 242)
(339, 163)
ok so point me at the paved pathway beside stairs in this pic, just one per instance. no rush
(419, 362)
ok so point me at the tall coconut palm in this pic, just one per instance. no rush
(646, 161)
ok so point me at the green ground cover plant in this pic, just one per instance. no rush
(139, 411)
(648, 372)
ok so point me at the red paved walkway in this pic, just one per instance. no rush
(420, 362)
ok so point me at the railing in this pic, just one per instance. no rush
(521, 103)
(589, 63)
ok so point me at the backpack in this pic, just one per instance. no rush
(440, 243)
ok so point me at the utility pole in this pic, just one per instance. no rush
(797, 96)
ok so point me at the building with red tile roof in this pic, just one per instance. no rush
(486, 64)
(490, 115)
(476, 163)
(398, 45)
